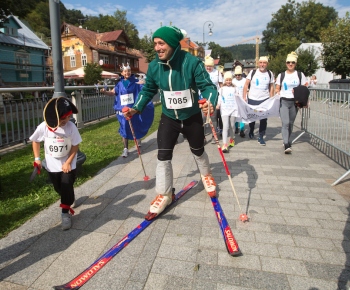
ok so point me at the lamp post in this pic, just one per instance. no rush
(210, 26)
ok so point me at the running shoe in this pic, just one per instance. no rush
(232, 142)
(125, 152)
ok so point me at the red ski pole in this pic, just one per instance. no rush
(243, 217)
(124, 110)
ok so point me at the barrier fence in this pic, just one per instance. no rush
(21, 109)
(328, 120)
(20, 116)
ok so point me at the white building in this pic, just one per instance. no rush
(323, 76)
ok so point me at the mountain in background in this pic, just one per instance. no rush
(245, 51)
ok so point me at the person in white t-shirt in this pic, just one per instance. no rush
(239, 82)
(229, 111)
(61, 143)
(216, 78)
(288, 109)
(261, 88)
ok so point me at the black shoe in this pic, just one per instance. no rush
(287, 149)
(242, 134)
(236, 131)
(251, 135)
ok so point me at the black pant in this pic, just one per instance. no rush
(63, 184)
(169, 130)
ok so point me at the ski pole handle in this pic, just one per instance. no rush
(126, 110)
(202, 102)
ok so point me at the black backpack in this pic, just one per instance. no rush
(301, 93)
(253, 73)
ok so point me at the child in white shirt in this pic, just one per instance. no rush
(228, 108)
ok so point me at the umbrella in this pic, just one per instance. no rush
(79, 74)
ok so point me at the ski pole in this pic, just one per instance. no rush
(124, 110)
(243, 217)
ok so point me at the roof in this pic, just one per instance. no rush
(25, 37)
(94, 39)
(187, 43)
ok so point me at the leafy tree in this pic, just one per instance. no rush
(307, 61)
(118, 21)
(296, 23)
(147, 47)
(93, 73)
(336, 46)
(223, 53)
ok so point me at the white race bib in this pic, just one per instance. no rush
(178, 99)
(57, 147)
(127, 99)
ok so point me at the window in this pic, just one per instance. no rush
(72, 61)
(116, 62)
(83, 59)
(105, 58)
(22, 60)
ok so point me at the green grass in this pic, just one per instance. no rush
(20, 199)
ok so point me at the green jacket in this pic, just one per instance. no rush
(183, 71)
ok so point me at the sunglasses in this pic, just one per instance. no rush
(237, 75)
(289, 62)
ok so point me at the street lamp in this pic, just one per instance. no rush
(210, 26)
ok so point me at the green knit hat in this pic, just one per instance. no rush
(170, 34)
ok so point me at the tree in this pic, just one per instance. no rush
(93, 73)
(219, 51)
(118, 21)
(336, 46)
(147, 47)
(296, 23)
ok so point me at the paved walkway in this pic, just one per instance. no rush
(297, 236)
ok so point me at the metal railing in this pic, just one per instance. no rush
(328, 119)
(21, 109)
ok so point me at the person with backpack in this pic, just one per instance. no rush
(286, 83)
(260, 83)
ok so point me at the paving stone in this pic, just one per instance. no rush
(289, 229)
(273, 238)
(160, 281)
(284, 266)
(218, 274)
(297, 283)
(178, 252)
(316, 243)
(327, 271)
(263, 280)
(172, 267)
(298, 253)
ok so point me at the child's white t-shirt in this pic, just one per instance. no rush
(67, 131)
(227, 101)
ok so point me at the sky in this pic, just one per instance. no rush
(231, 21)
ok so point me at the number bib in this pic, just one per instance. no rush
(127, 99)
(178, 99)
(57, 147)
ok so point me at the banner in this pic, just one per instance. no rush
(252, 113)
(207, 52)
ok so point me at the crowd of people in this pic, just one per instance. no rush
(189, 90)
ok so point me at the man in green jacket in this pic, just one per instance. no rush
(177, 76)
